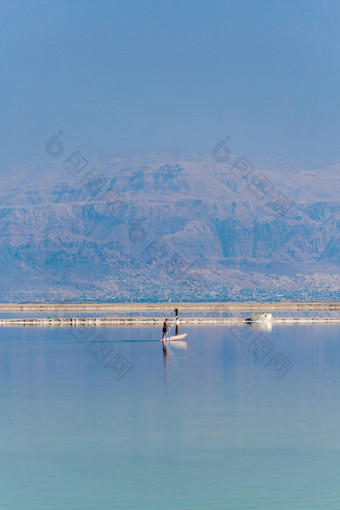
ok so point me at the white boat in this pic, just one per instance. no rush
(174, 338)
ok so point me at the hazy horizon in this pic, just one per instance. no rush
(127, 77)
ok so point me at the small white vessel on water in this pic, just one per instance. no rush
(177, 339)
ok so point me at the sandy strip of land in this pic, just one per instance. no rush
(89, 322)
(168, 308)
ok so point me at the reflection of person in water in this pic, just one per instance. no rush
(165, 329)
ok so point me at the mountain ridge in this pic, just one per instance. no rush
(175, 229)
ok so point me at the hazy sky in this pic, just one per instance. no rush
(171, 76)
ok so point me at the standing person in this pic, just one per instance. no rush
(165, 328)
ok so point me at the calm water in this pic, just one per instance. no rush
(211, 427)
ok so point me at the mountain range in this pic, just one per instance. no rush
(166, 228)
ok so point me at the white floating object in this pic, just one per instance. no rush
(261, 317)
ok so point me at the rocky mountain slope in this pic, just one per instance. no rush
(166, 229)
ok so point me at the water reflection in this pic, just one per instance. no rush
(262, 326)
(211, 427)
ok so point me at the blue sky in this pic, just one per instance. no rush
(129, 77)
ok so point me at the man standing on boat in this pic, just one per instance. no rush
(165, 329)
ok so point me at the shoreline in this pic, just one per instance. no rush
(81, 322)
(146, 313)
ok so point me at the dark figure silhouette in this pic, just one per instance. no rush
(165, 329)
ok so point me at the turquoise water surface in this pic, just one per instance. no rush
(99, 419)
